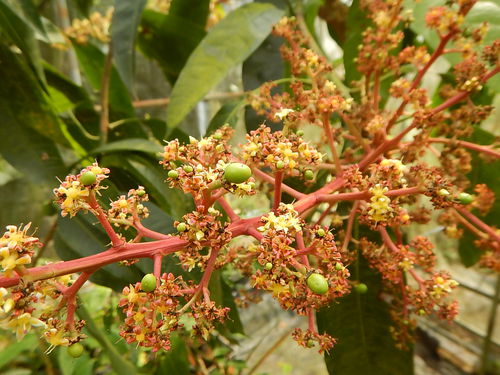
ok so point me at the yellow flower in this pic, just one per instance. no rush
(23, 323)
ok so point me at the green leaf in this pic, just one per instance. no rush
(193, 10)
(221, 294)
(169, 39)
(22, 35)
(126, 18)
(360, 323)
(263, 65)
(74, 366)
(28, 123)
(118, 362)
(483, 172)
(129, 144)
(91, 60)
(31, 13)
(227, 114)
(175, 361)
(12, 351)
(356, 24)
(227, 44)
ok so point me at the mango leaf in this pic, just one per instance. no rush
(227, 44)
(169, 39)
(32, 15)
(74, 366)
(263, 65)
(227, 114)
(221, 294)
(484, 172)
(175, 361)
(28, 123)
(129, 144)
(126, 18)
(118, 362)
(22, 35)
(356, 24)
(12, 351)
(360, 323)
(91, 61)
(193, 10)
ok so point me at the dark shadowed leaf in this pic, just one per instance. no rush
(360, 323)
(124, 25)
(227, 44)
(193, 10)
(169, 39)
(227, 114)
(356, 24)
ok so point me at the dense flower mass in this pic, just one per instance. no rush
(337, 187)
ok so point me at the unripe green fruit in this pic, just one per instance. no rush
(173, 174)
(321, 232)
(141, 193)
(308, 174)
(181, 227)
(237, 173)
(300, 133)
(187, 168)
(317, 283)
(361, 288)
(339, 266)
(280, 165)
(217, 136)
(268, 266)
(76, 350)
(310, 343)
(88, 178)
(465, 198)
(148, 282)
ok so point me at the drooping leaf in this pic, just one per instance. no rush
(360, 323)
(169, 39)
(227, 44)
(126, 18)
(22, 35)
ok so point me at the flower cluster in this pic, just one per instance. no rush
(72, 195)
(151, 317)
(38, 305)
(16, 248)
(308, 339)
(288, 153)
(96, 26)
(127, 208)
(202, 231)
